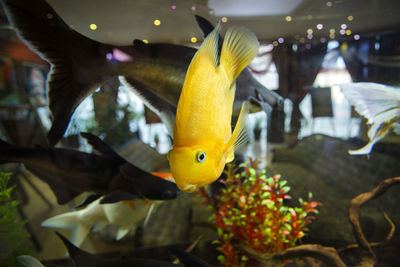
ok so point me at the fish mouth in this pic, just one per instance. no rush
(187, 187)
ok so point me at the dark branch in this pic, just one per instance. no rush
(374, 244)
(327, 255)
(357, 202)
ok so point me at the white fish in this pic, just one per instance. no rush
(124, 214)
(379, 104)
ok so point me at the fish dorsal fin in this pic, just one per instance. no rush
(239, 135)
(239, 48)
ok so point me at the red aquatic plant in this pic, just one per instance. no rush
(251, 210)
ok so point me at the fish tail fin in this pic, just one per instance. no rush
(72, 222)
(73, 58)
(239, 135)
(238, 50)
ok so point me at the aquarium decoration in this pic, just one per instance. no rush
(251, 211)
(12, 232)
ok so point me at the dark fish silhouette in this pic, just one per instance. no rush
(70, 172)
(84, 259)
(79, 65)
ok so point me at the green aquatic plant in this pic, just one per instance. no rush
(12, 232)
(251, 211)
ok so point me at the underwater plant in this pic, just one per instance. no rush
(12, 232)
(251, 211)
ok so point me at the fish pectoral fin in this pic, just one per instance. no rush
(239, 135)
(230, 157)
(159, 105)
(238, 50)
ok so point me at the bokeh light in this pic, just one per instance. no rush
(281, 40)
(350, 18)
(356, 37)
(309, 31)
(288, 18)
(145, 41)
(348, 32)
(193, 39)
(343, 26)
(93, 27)
(224, 19)
(157, 22)
(320, 26)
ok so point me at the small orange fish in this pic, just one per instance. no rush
(203, 139)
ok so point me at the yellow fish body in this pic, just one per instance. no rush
(203, 139)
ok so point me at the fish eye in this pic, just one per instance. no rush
(201, 156)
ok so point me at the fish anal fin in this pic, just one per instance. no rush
(230, 157)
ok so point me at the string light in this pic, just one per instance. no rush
(329, 4)
(288, 18)
(224, 19)
(320, 26)
(145, 41)
(173, 6)
(357, 37)
(281, 40)
(193, 39)
(350, 18)
(157, 22)
(309, 31)
(348, 32)
(343, 26)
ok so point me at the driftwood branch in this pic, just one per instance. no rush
(374, 244)
(357, 202)
(327, 255)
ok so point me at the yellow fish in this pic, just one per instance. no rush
(203, 139)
